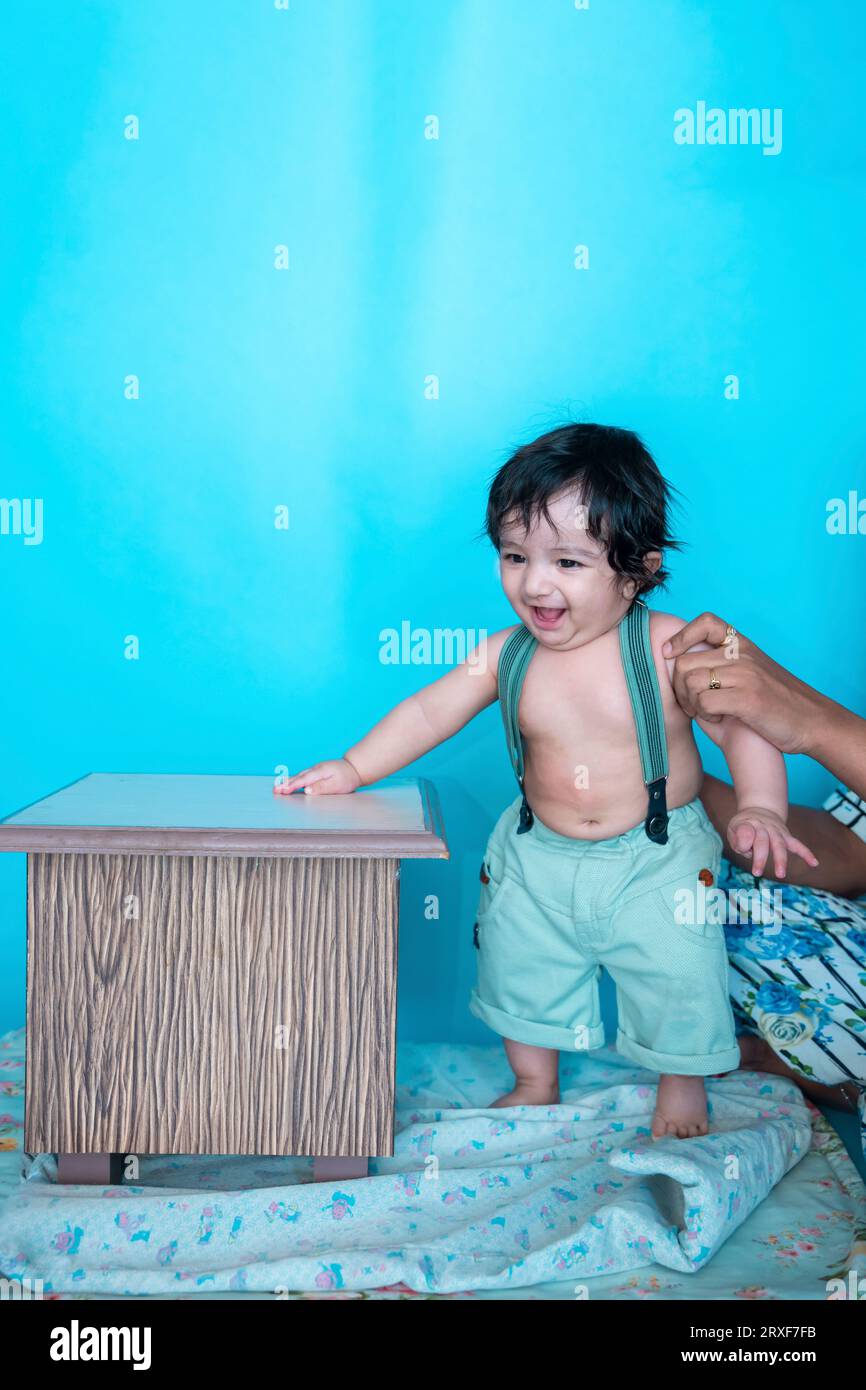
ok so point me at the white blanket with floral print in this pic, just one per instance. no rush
(473, 1198)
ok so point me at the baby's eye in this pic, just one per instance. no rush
(509, 555)
(572, 562)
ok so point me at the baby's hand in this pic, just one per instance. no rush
(754, 830)
(322, 779)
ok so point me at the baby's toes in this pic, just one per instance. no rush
(662, 1128)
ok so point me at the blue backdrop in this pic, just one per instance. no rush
(327, 257)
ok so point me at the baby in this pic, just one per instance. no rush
(601, 859)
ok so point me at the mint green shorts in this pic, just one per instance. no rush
(554, 910)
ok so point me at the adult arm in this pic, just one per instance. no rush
(839, 744)
(775, 703)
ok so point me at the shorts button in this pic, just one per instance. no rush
(657, 824)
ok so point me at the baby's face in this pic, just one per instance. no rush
(558, 580)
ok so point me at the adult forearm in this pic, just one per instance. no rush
(837, 739)
(397, 740)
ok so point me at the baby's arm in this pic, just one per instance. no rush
(761, 785)
(760, 781)
(420, 722)
(427, 718)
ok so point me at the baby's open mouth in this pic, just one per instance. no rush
(547, 616)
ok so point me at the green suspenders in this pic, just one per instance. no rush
(646, 704)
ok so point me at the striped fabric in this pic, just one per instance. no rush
(643, 688)
(849, 808)
(514, 658)
(801, 982)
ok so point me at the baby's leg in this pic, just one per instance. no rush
(681, 1107)
(536, 1071)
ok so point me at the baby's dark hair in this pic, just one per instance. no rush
(627, 498)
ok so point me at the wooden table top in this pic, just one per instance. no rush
(176, 813)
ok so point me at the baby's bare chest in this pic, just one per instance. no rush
(569, 696)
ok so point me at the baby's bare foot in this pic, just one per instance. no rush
(681, 1107)
(529, 1093)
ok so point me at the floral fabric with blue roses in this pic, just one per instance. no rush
(798, 967)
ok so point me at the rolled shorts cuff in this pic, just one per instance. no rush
(537, 1034)
(703, 1064)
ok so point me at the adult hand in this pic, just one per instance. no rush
(754, 688)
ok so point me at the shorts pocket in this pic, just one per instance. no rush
(493, 881)
(694, 909)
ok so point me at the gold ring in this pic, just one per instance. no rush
(715, 683)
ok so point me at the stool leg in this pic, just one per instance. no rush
(335, 1169)
(101, 1170)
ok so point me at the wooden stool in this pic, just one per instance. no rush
(211, 968)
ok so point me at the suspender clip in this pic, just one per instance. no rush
(526, 817)
(657, 812)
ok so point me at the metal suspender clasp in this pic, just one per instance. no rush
(657, 812)
(525, 813)
(525, 817)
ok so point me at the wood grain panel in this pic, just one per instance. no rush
(250, 1007)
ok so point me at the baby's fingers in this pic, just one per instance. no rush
(751, 837)
(742, 837)
(318, 784)
(760, 849)
(797, 847)
(300, 779)
(780, 852)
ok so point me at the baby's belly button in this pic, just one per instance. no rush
(593, 811)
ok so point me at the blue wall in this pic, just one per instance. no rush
(408, 257)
